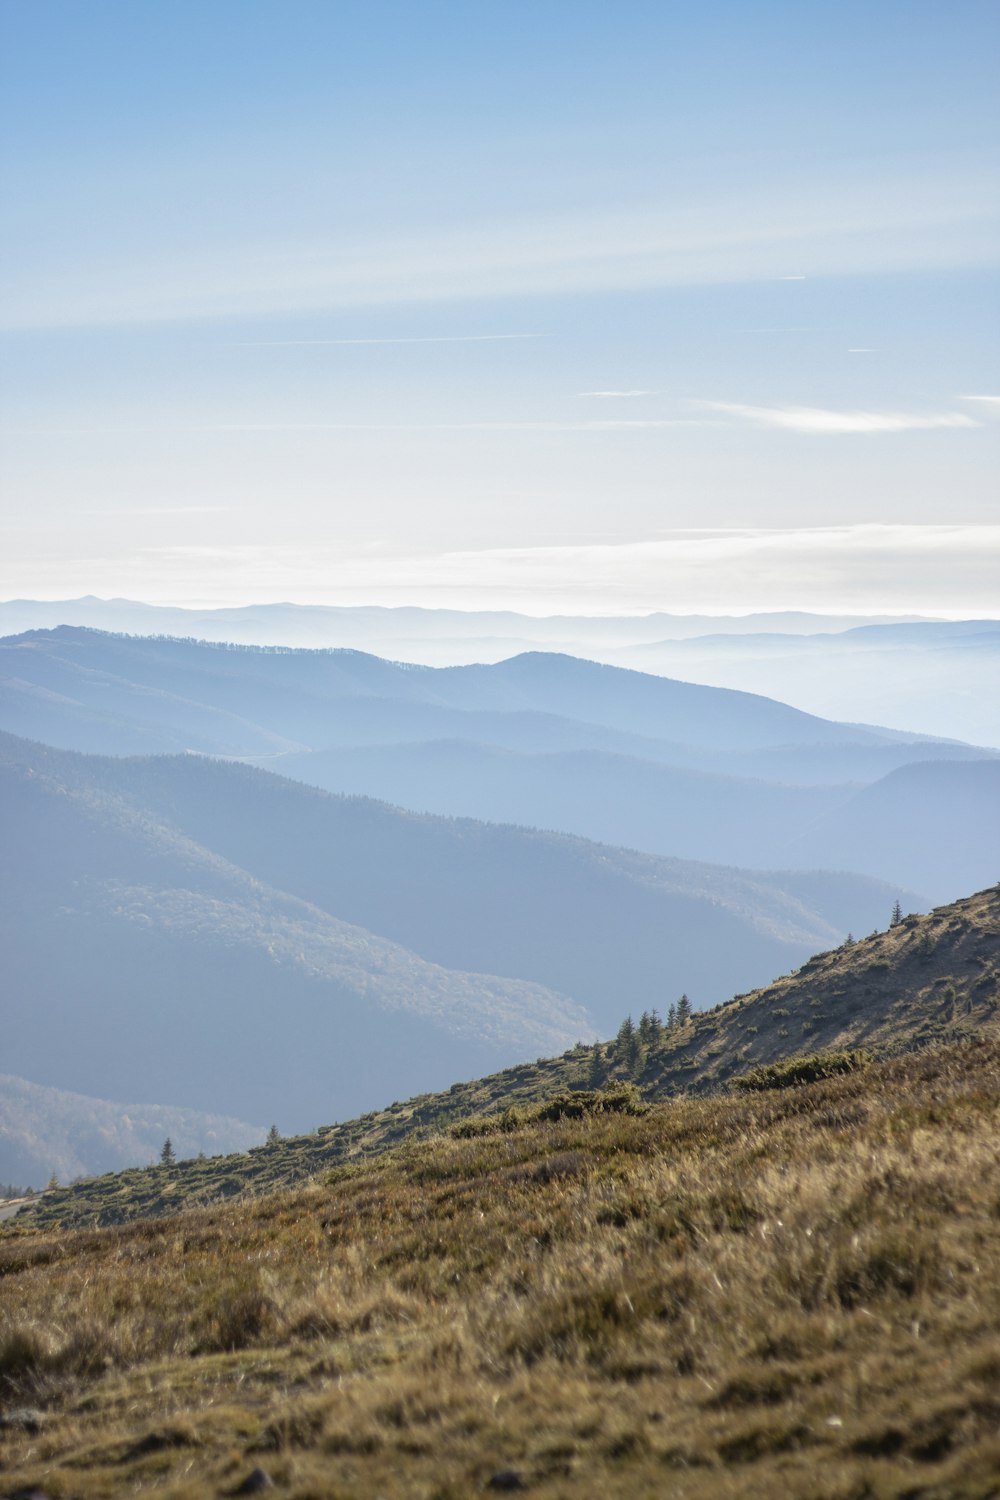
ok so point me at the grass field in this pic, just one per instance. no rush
(788, 1291)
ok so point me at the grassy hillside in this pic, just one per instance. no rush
(793, 1291)
(930, 979)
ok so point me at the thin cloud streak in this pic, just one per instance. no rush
(450, 338)
(821, 422)
(605, 425)
(891, 218)
(946, 570)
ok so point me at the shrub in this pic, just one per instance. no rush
(792, 1072)
(623, 1098)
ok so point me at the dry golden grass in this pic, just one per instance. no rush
(792, 1292)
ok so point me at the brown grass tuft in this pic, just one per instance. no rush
(793, 1290)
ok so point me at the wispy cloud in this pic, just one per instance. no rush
(823, 422)
(609, 424)
(865, 568)
(988, 401)
(891, 216)
(443, 338)
(812, 420)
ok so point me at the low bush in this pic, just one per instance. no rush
(622, 1099)
(792, 1072)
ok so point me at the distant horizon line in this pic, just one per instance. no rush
(732, 613)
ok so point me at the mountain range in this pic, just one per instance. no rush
(671, 768)
(204, 933)
(939, 676)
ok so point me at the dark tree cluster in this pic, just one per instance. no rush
(633, 1042)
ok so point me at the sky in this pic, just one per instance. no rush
(549, 305)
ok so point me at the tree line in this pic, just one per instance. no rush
(635, 1040)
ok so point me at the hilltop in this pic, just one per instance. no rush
(928, 980)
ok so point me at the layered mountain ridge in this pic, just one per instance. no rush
(217, 937)
(551, 741)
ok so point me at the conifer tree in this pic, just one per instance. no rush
(897, 915)
(627, 1044)
(167, 1157)
(625, 1033)
(649, 1027)
(685, 1010)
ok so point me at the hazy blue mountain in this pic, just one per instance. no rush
(84, 689)
(637, 702)
(938, 820)
(615, 799)
(920, 828)
(139, 962)
(545, 740)
(361, 723)
(938, 677)
(45, 1131)
(443, 637)
(201, 931)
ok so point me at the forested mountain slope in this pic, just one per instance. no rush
(163, 694)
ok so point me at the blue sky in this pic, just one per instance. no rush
(501, 303)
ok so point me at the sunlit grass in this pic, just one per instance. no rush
(795, 1291)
